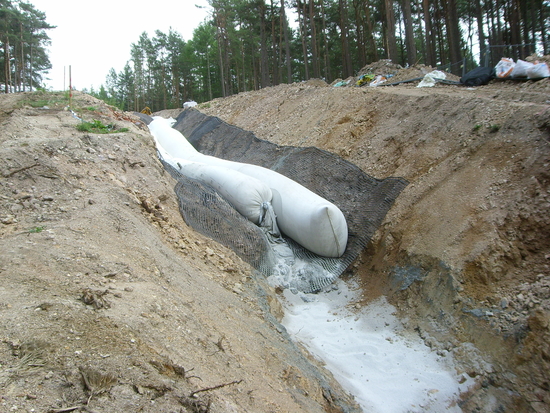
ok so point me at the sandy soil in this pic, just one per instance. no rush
(471, 230)
(109, 302)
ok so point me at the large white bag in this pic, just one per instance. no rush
(304, 216)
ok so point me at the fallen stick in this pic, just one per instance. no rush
(20, 170)
(219, 386)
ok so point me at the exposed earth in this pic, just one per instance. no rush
(110, 302)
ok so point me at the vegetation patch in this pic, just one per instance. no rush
(96, 126)
(40, 99)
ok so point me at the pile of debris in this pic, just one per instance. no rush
(385, 72)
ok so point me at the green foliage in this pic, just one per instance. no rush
(247, 45)
(494, 128)
(96, 126)
(36, 230)
(23, 40)
(40, 99)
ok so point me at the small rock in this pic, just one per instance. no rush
(504, 303)
(22, 195)
(8, 219)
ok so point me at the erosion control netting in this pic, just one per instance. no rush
(364, 201)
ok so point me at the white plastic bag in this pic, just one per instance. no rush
(190, 104)
(538, 71)
(430, 78)
(504, 67)
(521, 68)
(378, 80)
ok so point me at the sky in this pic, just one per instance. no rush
(94, 36)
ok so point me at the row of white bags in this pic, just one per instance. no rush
(507, 68)
(307, 218)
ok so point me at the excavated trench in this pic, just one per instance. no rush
(463, 252)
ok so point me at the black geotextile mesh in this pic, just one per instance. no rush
(205, 210)
(364, 200)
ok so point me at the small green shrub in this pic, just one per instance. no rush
(96, 126)
(477, 127)
(36, 230)
(494, 128)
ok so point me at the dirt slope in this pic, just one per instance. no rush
(464, 253)
(108, 301)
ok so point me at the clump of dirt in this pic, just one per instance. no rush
(464, 253)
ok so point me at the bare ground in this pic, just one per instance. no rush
(109, 302)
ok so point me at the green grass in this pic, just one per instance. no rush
(40, 98)
(36, 230)
(494, 128)
(96, 126)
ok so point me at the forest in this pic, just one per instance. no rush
(23, 42)
(251, 44)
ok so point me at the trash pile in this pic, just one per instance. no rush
(521, 69)
(386, 73)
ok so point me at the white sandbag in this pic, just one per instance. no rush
(520, 69)
(171, 140)
(246, 194)
(538, 70)
(304, 216)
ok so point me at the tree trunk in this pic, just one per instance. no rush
(391, 42)
(543, 28)
(276, 46)
(264, 69)
(302, 26)
(361, 42)
(481, 34)
(409, 33)
(314, 49)
(7, 70)
(327, 70)
(287, 44)
(347, 68)
(453, 35)
(372, 55)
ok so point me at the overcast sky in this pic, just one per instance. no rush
(94, 36)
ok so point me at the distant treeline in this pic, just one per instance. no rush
(250, 44)
(23, 42)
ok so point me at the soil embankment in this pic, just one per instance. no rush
(464, 252)
(110, 302)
